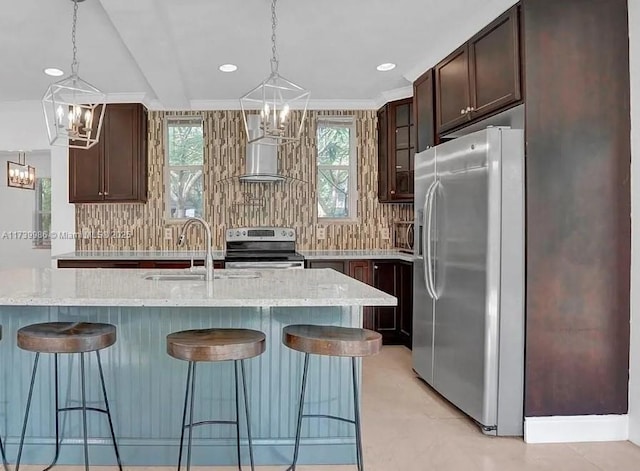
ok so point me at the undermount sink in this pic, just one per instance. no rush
(198, 276)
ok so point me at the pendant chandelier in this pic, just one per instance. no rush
(21, 175)
(281, 103)
(73, 108)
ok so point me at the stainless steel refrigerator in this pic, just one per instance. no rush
(468, 305)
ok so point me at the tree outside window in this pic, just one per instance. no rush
(185, 161)
(336, 169)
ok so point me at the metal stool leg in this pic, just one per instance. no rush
(184, 415)
(193, 387)
(57, 399)
(235, 371)
(300, 411)
(4, 456)
(108, 410)
(246, 409)
(26, 413)
(84, 413)
(356, 411)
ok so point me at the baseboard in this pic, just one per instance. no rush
(576, 428)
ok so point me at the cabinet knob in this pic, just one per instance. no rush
(471, 108)
(462, 111)
(106, 194)
(375, 267)
(393, 192)
(99, 193)
(398, 166)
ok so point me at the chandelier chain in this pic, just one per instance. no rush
(274, 23)
(74, 63)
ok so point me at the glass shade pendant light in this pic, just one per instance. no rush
(73, 108)
(282, 105)
(21, 175)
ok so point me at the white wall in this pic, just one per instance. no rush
(22, 127)
(17, 214)
(634, 384)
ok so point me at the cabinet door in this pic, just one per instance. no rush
(361, 271)
(405, 302)
(494, 65)
(85, 174)
(452, 90)
(423, 113)
(383, 155)
(401, 150)
(125, 153)
(386, 317)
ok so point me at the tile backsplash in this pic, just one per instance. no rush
(231, 203)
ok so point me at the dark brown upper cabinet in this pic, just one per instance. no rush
(480, 77)
(423, 113)
(396, 147)
(115, 169)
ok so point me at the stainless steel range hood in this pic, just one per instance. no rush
(262, 159)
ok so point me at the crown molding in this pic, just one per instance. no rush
(336, 104)
(392, 95)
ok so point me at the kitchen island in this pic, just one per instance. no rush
(146, 386)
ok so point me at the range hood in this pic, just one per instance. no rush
(262, 159)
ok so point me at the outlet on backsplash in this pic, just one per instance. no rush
(384, 233)
(168, 234)
(321, 233)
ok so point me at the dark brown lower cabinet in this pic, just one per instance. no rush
(151, 264)
(394, 322)
(391, 276)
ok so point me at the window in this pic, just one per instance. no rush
(337, 180)
(42, 223)
(185, 164)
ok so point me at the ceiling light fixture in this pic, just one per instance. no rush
(53, 72)
(276, 98)
(73, 108)
(228, 67)
(387, 66)
(21, 175)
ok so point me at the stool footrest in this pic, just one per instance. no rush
(324, 416)
(94, 409)
(211, 422)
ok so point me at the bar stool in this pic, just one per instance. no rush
(331, 341)
(68, 337)
(215, 345)
(2, 452)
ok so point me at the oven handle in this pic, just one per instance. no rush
(268, 265)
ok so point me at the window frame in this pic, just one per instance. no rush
(352, 167)
(44, 243)
(191, 119)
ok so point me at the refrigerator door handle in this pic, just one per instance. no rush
(426, 240)
(430, 273)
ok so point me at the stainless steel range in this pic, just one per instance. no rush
(262, 247)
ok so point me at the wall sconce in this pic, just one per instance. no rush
(21, 175)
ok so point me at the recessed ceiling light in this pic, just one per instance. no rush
(53, 71)
(228, 67)
(386, 67)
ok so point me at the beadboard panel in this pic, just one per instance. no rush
(146, 388)
(231, 203)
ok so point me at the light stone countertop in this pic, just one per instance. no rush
(138, 255)
(128, 288)
(392, 254)
(219, 255)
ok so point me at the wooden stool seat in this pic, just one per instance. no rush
(215, 344)
(332, 340)
(66, 337)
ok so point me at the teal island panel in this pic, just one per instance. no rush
(146, 389)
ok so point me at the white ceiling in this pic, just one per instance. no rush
(166, 53)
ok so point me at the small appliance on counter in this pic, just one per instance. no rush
(262, 247)
(403, 236)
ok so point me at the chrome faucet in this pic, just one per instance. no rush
(208, 262)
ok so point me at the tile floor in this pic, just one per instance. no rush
(408, 427)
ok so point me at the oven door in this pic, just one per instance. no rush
(256, 265)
